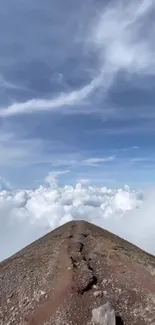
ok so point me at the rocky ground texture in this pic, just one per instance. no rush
(78, 274)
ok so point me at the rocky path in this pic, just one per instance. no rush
(83, 274)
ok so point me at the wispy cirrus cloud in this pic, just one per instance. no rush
(68, 99)
(121, 39)
(9, 85)
(91, 161)
(143, 160)
(15, 149)
(18, 149)
(97, 160)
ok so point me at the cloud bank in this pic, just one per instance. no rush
(121, 39)
(25, 215)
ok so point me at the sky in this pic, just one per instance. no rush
(77, 98)
(77, 91)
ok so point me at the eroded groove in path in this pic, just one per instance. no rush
(83, 274)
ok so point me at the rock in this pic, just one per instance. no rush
(104, 315)
(38, 295)
(25, 301)
(105, 281)
(98, 293)
(11, 295)
(42, 293)
(118, 291)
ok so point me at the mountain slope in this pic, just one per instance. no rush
(62, 277)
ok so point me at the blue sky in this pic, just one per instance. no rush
(77, 91)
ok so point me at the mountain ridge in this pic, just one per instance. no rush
(64, 275)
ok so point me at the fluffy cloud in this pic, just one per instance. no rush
(26, 215)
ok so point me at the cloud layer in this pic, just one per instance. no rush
(25, 215)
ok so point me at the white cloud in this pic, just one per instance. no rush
(17, 147)
(66, 99)
(118, 38)
(93, 161)
(15, 150)
(4, 184)
(143, 159)
(27, 214)
(97, 160)
(8, 85)
(135, 147)
(51, 179)
(84, 181)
